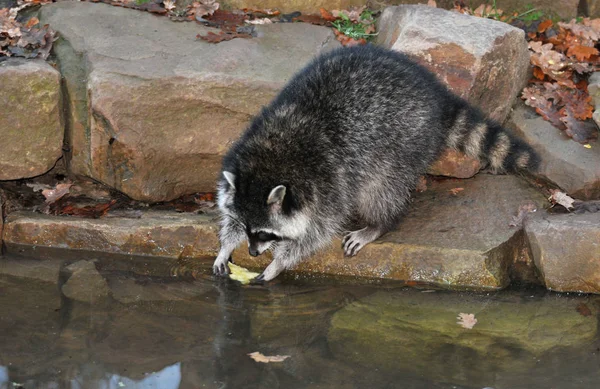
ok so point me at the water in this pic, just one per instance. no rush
(137, 326)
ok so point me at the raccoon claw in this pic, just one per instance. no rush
(259, 279)
(220, 269)
(356, 240)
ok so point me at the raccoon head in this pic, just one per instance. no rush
(267, 221)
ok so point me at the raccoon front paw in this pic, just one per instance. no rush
(220, 267)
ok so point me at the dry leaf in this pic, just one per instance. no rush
(421, 184)
(466, 320)
(456, 191)
(169, 5)
(432, 3)
(259, 357)
(222, 36)
(543, 26)
(558, 197)
(202, 8)
(582, 53)
(59, 191)
(327, 15)
(524, 210)
(584, 310)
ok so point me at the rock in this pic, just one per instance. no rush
(594, 90)
(565, 9)
(566, 251)
(467, 53)
(567, 163)
(417, 333)
(129, 291)
(47, 271)
(287, 6)
(161, 234)
(31, 131)
(593, 8)
(455, 164)
(158, 108)
(85, 283)
(30, 328)
(2, 202)
(461, 240)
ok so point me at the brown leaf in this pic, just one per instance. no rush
(327, 15)
(538, 73)
(524, 210)
(32, 22)
(455, 191)
(90, 211)
(259, 357)
(226, 21)
(59, 191)
(558, 197)
(222, 36)
(582, 131)
(347, 41)
(582, 53)
(421, 184)
(584, 310)
(312, 19)
(543, 26)
(466, 320)
(432, 3)
(202, 8)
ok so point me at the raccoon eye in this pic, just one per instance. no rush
(267, 237)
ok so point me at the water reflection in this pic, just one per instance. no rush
(155, 331)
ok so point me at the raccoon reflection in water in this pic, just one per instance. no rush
(346, 140)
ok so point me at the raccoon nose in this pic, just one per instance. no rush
(253, 252)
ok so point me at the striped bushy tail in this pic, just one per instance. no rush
(487, 140)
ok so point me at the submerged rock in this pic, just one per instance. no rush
(418, 333)
(85, 284)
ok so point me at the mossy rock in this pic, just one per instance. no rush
(418, 333)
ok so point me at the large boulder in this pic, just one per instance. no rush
(153, 108)
(31, 129)
(567, 163)
(482, 60)
(566, 251)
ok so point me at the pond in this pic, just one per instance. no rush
(144, 323)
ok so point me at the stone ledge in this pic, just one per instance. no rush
(447, 240)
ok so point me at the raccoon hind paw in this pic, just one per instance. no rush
(354, 241)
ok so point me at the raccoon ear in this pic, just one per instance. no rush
(230, 177)
(276, 196)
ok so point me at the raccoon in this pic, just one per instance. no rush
(346, 141)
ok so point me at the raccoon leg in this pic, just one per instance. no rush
(285, 256)
(230, 236)
(356, 240)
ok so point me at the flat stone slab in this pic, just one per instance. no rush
(566, 251)
(31, 129)
(571, 166)
(461, 240)
(153, 108)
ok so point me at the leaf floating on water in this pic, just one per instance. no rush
(241, 274)
(466, 320)
(584, 310)
(259, 357)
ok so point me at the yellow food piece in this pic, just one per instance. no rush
(241, 274)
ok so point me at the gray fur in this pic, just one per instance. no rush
(346, 142)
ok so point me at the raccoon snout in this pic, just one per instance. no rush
(253, 252)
